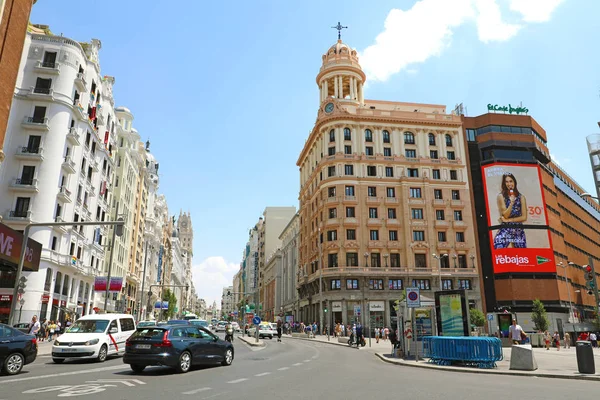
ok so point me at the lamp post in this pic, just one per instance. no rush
(439, 258)
(571, 314)
(385, 257)
(21, 302)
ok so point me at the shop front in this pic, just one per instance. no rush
(5, 302)
(377, 314)
(353, 312)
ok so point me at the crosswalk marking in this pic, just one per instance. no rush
(204, 389)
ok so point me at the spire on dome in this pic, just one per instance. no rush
(339, 28)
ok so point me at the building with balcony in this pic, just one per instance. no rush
(383, 191)
(186, 237)
(227, 301)
(289, 267)
(178, 271)
(58, 167)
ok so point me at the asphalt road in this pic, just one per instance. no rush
(294, 369)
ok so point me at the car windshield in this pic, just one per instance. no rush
(199, 323)
(148, 333)
(145, 323)
(89, 326)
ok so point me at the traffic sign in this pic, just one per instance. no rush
(256, 320)
(413, 297)
(490, 317)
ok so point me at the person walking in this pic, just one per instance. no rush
(567, 340)
(279, 327)
(516, 332)
(34, 326)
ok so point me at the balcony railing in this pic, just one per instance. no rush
(18, 215)
(73, 137)
(25, 184)
(81, 82)
(69, 165)
(64, 194)
(37, 123)
(29, 153)
(42, 90)
(47, 67)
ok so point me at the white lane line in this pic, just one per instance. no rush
(214, 395)
(306, 361)
(238, 380)
(86, 371)
(204, 389)
(263, 374)
(314, 357)
(295, 365)
(283, 368)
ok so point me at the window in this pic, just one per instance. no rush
(49, 60)
(418, 236)
(127, 324)
(331, 171)
(391, 213)
(395, 260)
(410, 153)
(350, 234)
(351, 284)
(417, 213)
(458, 215)
(391, 192)
(368, 135)
(446, 284)
(395, 284)
(347, 149)
(352, 259)
(331, 192)
(333, 213)
(413, 172)
(464, 284)
(440, 215)
(376, 260)
(422, 284)
(335, 284)
(371, 170)
(460, 237)
(349, 191)
(435, 174)
(374, 234)
(444, 262)
(437, 194)
(448, 140)
(393, 236)
(409, 138)
(27, 175)
(453, 175)
(441, 236)
(33, 144)
(389, 172)
(42, 86)
(387, 152)
(350, 212)
(455, 195)
(347, 134)
(372, 191)
(462, 261)
(431, 139)
(415, 193)
(54, 242)
(349, 169)
(373, 212)
(375, 284)
(369, 150)
(450, 155)
(39, 114)
(331, 151)
(22, 207)
(433, 154)
(471, 133)
(332, 136)
(386, 136)
(332, 260)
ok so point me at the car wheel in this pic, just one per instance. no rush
(58, 360)
(185, 362)
(137, 367)
(228, 358)
(14, 363)
(102, 353)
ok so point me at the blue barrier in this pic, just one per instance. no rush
(481, 352)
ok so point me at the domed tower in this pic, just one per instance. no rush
(341, 76)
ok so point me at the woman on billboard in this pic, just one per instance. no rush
(511, 204)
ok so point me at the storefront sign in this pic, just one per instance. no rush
(11, 243)
(5, 297)
(510, 109)
(45, 298)
(116, 283)
(336, 306)
(376, 306)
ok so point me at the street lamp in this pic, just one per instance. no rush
(571, 314)
(22, 303)
(385, 257)
(439, 258)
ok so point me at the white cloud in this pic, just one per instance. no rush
(211, 275)
(425, 30)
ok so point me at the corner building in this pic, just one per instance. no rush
(383, 188)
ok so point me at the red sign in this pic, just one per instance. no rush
(45, 298)
(116, 283)
(5, 297)
(11, 243)
(517, 219)
(106, 135)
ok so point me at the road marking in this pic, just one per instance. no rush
(126, 382)
(283, 369)
(238, 380)
(306, 361)
(214, 395)
(295, 365)
(204, 389)
(87, 371)
(263, 374)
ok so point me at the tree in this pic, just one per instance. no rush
(169, 296)
(539, 317)
(477, 317)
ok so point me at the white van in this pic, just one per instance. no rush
(94, 336)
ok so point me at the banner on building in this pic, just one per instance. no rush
(160, 259)
(116, 284)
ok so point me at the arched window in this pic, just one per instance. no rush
(48, 282)
(386, 136)
(65, 290)
(368, 135)
(448, 140)
(58, 282)
(332, 136)
(87, 292)
(347, 134)
(431, 139)
(409, 138)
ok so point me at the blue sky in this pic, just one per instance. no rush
(227, 95)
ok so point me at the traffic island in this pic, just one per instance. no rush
(251, 341)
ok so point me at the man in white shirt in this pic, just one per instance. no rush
(515, 332)
(34, 328)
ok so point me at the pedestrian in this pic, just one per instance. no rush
(547, 339)
(377, 333)
(556, 340)
(359, 333)
(34, 326)
(279, 326)
(594, 339)
(567, 340)
(516, 332)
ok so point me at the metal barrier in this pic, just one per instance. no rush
(480, 352)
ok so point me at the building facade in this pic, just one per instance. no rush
(385, 202)
(186, 238)
(227, 302)
(289, 267)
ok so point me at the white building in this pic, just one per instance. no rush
(58, 167)
(178, 273)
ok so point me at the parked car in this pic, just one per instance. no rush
(176, 346)
(221, 326)
(94, 336)
(16, 349)
(22, 326)
(264, 331)
(199, 322)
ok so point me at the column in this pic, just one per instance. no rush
(361, 98)
(339, 139)
(351, 88)
(322, 93)
(335, 88)
(355, 85)
(325, 89)
(341, 86)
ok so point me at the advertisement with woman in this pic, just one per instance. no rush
(517, 218)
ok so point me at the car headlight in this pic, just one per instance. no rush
(56, 343)
(92, 342)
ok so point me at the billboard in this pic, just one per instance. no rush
(11, 243)
(452, 313)
(517, 219)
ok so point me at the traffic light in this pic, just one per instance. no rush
(22, 284)
(119, 228)
(590, 278)
(325, 309)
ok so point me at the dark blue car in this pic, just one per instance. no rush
(176, 346)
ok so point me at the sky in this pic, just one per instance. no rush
(226, 92)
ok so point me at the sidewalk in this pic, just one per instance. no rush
(44, 348)
(551, 363)
(251, 341)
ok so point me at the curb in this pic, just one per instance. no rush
(251, 343)
(320, 341)
(426, 365)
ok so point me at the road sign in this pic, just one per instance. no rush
(413, 297)
(490, 317)
(256, 320)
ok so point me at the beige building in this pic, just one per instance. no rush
(383, 192)
(289, 267)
